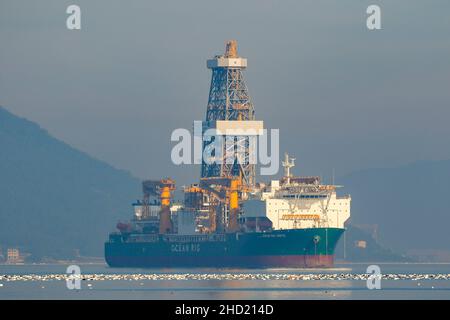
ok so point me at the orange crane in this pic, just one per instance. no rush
(235, 185)
(227, 191)
(223, 190)
(163, 189)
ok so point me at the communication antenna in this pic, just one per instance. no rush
(288, 163)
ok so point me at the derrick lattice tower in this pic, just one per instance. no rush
(229, 101)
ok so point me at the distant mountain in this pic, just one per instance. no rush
(53, 198)
(410, 204)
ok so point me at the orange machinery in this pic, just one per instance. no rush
(163, 189)
(226, 191)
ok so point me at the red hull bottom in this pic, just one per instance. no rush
(287, 261)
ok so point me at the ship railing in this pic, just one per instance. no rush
(194, 238)
(143, 238)
(217, 237)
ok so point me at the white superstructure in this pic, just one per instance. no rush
(299, 202)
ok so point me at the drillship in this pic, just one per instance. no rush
(228, 219)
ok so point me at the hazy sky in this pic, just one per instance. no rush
(343, 97)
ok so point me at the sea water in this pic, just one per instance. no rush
(344, 281)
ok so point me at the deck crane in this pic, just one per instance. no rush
(162, 189)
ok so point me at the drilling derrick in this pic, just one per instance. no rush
(229, 106)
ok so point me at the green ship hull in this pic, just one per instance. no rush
(312, 247)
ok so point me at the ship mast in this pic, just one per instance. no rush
(288, 163)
